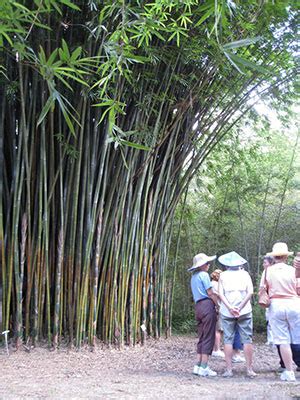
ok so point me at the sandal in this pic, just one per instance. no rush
(251, 373)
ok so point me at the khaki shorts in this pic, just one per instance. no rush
(284, 319)
(244, 324)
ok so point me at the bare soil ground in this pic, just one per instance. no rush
(159, 370)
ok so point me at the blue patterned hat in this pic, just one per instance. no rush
(232, 259)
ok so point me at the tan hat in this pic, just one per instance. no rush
(280, 249)
(201, 259)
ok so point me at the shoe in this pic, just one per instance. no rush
(196, 370)
(218, 353)
(206, 372)
(238, 359)
(251, 374)
(280, 369)
(288, 376)
(227, 374)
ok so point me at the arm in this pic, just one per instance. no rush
(233, 310)
(245, 301)
(298, 286)
(213, 296)
(215, 288)
(249, 294)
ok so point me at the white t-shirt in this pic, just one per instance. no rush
(236, 285)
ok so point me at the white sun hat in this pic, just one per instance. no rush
(280, 249)
(201, 259)
(232, 259)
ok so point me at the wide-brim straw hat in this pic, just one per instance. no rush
(232, 259)
(280, 249)
(201, 259)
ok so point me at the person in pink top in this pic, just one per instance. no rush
(284, 314)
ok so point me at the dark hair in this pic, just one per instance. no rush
(280, 258)
(270, 259)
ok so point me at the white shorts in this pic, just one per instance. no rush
(284, 318)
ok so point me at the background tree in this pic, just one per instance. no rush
(245, 199)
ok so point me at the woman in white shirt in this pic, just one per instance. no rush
(235, 292)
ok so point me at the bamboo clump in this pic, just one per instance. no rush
(93, 168)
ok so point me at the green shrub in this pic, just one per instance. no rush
(184, 323)
(259, 319)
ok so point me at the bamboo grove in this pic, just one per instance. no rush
(108, 108)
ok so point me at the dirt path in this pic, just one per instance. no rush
(161, 370)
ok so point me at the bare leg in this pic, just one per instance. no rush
(248, 351)
(286, 354)
(217, 345)
(199, 359)
(228, 356)
(204, 359)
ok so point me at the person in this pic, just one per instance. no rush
(217, 352)
(237, 347)
(296, 264)
(267, 261)
(295, 355)
(235, 291)
(284, 310)
(206, 304)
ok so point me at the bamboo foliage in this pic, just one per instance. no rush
(99, 143)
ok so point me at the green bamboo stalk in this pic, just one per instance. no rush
(58, 289)
(4, 274)
(111, 278)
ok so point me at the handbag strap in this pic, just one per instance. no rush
(265, 281)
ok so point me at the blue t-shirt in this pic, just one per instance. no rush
(200, 282)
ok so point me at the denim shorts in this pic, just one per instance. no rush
(244, 324)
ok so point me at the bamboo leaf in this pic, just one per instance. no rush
(51, 58)
(233, 63)
(241, 43)
(65, 49)
(105, 103)
(111, 119)
(135, 145)
(58, 76)
(76, 54)
(45, 110)
(64, 110)
(70, 4)
(246, 63)
(204, 17)
(75, 78)
(5, 35)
